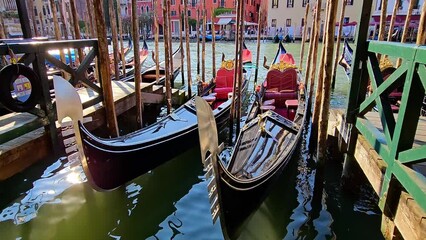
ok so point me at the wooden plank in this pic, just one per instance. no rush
(370, 162)
(410, 219)
(13, 159)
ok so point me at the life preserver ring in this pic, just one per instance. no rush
(20, 88)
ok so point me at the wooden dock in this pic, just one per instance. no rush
(18, 153)
(407, 219)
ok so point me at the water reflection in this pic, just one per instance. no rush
(56, 179)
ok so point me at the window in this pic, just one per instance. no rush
(303, 22)
(304, 3)
(290, 3)
(222, 3)
(173, 2)
(288, 22)
(147, 9)
(189, 13)
(193, 3)
(274, 23)
(173, 13)
(345, 20)
(35, 12)
(274, 3)
(350, 2)
(214, 1)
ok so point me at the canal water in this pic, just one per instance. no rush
(52, 200)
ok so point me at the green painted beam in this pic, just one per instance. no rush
(382, 89)
(412, 155)
(376, 138)
(393, 49)
(413, 182)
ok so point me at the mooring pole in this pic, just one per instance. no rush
(157, 52)
(339, 35)
(240, 69)
(259, 27)
(305, 30)
(120, 30)
(324, 114)
(170, 37)
(90, 15)
(421, 35)
(383, 16)
(166, 5)
(104, 69)
(113, 24)
(213, 45)
(315, 50)
(320, 84)
(77, 28)
(393, 18)
(198, 41)
(406, 26)
(137, 61)
(33, 18)
(181, 47)
(188, 51)
(65, 28)
(203, 50)
(57, 30)
(236, 72)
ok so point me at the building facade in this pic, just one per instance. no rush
(287, 16)
(401, 14)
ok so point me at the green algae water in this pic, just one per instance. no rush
(53, 200)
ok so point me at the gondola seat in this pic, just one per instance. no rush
(224, 83)
(281, 86)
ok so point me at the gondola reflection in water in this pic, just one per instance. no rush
(262, 150)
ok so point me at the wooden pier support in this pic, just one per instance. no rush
(203, 45)
(213, 45)
(113, 24)
(104, 69)
(339, 35)
(305, 30)
(313, 50)
(188, 51)
(77, 28)
(328, 68)
(137, 61)
(182, 52)
(407, 217)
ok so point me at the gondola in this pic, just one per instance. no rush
(109, 163)
(209, 37)
(149, 76)
(130, 64)
(263, 148)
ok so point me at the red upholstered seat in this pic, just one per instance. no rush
(224, 83)
(282, 86)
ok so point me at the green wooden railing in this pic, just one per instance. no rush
(395, 141)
